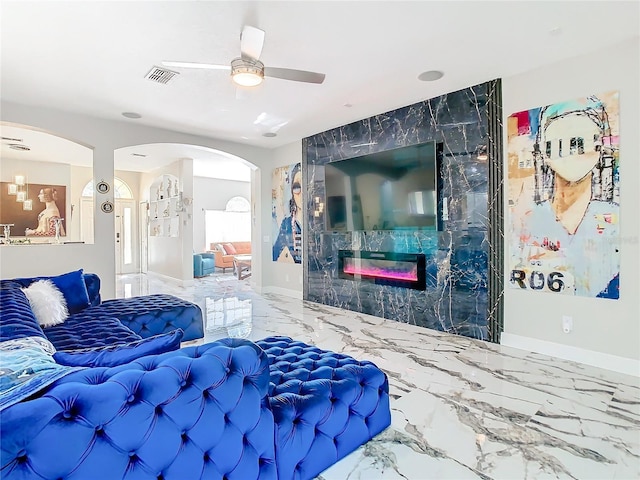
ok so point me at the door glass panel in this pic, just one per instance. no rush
(127, 237)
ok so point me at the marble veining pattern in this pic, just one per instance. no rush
(456, 300)
(461, 408)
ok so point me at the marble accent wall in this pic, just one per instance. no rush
(456, 299)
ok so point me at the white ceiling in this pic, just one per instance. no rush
(91, 57)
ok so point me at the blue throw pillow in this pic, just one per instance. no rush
(114, 355)
(74, 290)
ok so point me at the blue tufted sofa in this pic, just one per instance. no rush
(138, 317)
(232, 409)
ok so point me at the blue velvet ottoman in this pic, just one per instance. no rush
(325, 405)
(155, 314)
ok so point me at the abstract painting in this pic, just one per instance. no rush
(564, 197)
(286, 214)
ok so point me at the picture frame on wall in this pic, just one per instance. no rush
(102, 187)
(35, 212)
(564, 197)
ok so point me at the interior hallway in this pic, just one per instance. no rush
(461, 408)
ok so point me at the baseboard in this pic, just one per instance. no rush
(282, 291)
(628, 366)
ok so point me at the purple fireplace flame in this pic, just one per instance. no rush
(381, 269)
(405, 270)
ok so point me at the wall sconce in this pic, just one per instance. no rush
(482, 155)
(318, 207)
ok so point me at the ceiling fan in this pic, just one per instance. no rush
(247, 70)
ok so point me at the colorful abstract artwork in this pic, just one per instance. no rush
(564, 198)
(286, 213)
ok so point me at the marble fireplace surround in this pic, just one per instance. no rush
(463, 257)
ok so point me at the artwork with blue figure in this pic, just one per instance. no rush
(564, 197)
(287, 205)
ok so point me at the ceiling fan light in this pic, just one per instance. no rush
(247, 73)
(247, 79)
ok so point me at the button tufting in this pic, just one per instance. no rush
(67, 414)
(183, 383)
(21, 456)
(131, 398)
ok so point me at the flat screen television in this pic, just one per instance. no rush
(391, 190)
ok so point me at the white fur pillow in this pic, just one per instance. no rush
(47, 303)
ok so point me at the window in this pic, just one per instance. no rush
(230, 225)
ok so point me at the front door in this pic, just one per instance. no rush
(125, 236)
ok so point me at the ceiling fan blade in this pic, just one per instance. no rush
(251, 42)
(206, 66)
(294, 75)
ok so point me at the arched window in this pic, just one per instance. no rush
(120, 189)
(238, 204)
(233, 224)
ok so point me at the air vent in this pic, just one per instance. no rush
(9, 139)
(19, 146)
(138, 155)
(160, 75)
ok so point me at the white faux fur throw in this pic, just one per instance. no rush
(47, 303)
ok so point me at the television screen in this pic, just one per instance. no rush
(395, 189)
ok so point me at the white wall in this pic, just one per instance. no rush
(105, 136)
(279, 277)
(213, 194)
(606, 332)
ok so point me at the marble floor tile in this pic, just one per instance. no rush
(461, 408)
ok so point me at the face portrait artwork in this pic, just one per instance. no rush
(46, 206)
(286, 213)
(564, 198)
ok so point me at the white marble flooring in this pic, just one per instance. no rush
(461, 408)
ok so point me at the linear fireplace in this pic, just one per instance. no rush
(405, 270)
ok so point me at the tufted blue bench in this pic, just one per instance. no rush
(149, 315)
(325, 405)
(198, 413)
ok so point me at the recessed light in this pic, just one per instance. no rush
(431, 76)
(131, 115)
(555, 31)
(348, 105)
(270, 134)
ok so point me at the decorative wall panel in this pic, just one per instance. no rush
(456, 297)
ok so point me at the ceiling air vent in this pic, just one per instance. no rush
(138, 155)
(19, 146)
(9, 139)
(160, 75)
